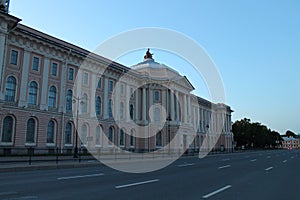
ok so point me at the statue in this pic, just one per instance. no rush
(148, 54)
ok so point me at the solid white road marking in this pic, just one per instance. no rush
(225, 166)
(216, 192)
(81, 176)
(184, 165)
(284, 161)
(134, 184)
(253, 160)
(269, 168)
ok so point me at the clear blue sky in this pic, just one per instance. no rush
(254, 44)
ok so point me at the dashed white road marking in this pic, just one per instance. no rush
(225, 159)
(216, 192)
(284, 161)
(185, 165)
(137, 183)
(225, 166)
(268, 156)
(7, 193)
(80, 176)
(292, 157)
(269, 168)
(253, 160)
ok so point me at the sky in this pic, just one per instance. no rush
(255, 45)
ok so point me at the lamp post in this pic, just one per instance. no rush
(76, 100)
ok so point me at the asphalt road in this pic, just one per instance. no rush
(249, 175)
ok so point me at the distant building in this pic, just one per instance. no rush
(290, 143)
(40, 104)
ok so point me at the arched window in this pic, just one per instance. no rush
(7, 129)
(31, 131)
(84, 103)
(157, 115)
(32, 93)
(122, 138)
(132, 135)
(110, 108)
(10, 89)
(52, 97)
(98, 135)
(83, 135)
(69, 100)
(98, 106)
(131, 109)
(110, 135)
(121, 110)
(68, 133)
(51, 132)
(158, 139)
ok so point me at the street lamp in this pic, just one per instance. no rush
(76, 100)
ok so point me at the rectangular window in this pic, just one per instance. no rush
(156, 95)
(99, 83)
(111, 86)
(54, 69)
(71, 74)
(35, 63)
(85, 78)
(122, 89)
(131, 92)
(13, 57)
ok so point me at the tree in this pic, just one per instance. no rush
(254, 135)
(289, 133)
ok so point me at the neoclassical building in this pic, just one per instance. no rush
(54, 94)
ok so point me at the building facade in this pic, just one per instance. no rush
(56, 95)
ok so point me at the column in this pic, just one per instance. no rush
(184, 108)
(105, 100)
(177, 106)
(188, 108)
(151, 103)
(144, 104)
(127, 104)
(93, 95)
(172, 105)
(164, 102)
(44, 88)
(2, 60)
(137, 107)
(62, 91)
(24, 79)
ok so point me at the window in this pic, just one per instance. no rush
(52, 97)
(122, 89)
(131, 111)
(111, 86)
(84, 103)
(110, 108)
(71, 74)
(7, 129)
(54, 69)
(30, 131)
(50, 132)
(69, 100)
(98, 106)
(85, 78)
(132, 138)
(110, 135)
(35, 63)
(32, 93)
(122, 138)
(68, 133)
(121, 110)
(10, 89)
(14, 57)
(156, 95)
(99, 85)
(158, 139)
(98, 135)
(83, 135)
(131, 92)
